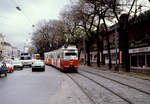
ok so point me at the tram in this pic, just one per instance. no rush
(65, 58)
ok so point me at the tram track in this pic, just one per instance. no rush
(122, 77)
(82, 89)
(100, 85)
(99, 75)
(102, 82)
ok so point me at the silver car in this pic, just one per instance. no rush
(38, 65)
(18, 65)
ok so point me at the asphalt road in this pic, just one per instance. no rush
(49, 87)
(55, 87)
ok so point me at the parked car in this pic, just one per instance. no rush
(3, 68)
(10, 66)
(17, 64)
(38, 65)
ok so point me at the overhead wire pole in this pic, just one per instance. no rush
(116, 48)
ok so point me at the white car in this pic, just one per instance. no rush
(26, 61)
(38, 65)
(17, 65)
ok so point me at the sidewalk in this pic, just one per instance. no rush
(144, 76)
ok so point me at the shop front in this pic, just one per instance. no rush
(140, 57)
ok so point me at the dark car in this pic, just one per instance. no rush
(3, 69)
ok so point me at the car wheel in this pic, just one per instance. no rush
(5, 74)
(43, 69)
(33, 69)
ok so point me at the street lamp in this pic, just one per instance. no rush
(18, 8)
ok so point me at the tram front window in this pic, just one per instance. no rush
(70, 54)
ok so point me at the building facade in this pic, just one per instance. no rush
(139, 44)
(9, 51)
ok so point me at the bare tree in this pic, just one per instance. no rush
(124, 23)
(48, 36)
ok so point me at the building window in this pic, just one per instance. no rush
(141, 60)
(148, 60)
(134, 61)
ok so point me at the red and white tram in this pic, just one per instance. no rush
(64, 59)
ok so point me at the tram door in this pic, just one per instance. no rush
(58, 60)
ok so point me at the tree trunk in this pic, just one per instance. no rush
(109, 54)
(108, 43)
(98, 52)
(88, 53)
(102, 55)
(123, 41)
(81, 49)
(124, 47)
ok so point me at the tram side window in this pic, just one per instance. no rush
(51, 56)
(58, 56)
(62, 55)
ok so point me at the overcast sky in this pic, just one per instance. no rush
(17, 26)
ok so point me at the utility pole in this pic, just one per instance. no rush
(116, 47)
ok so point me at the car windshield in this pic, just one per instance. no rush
(38, 62)
(25, 58)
